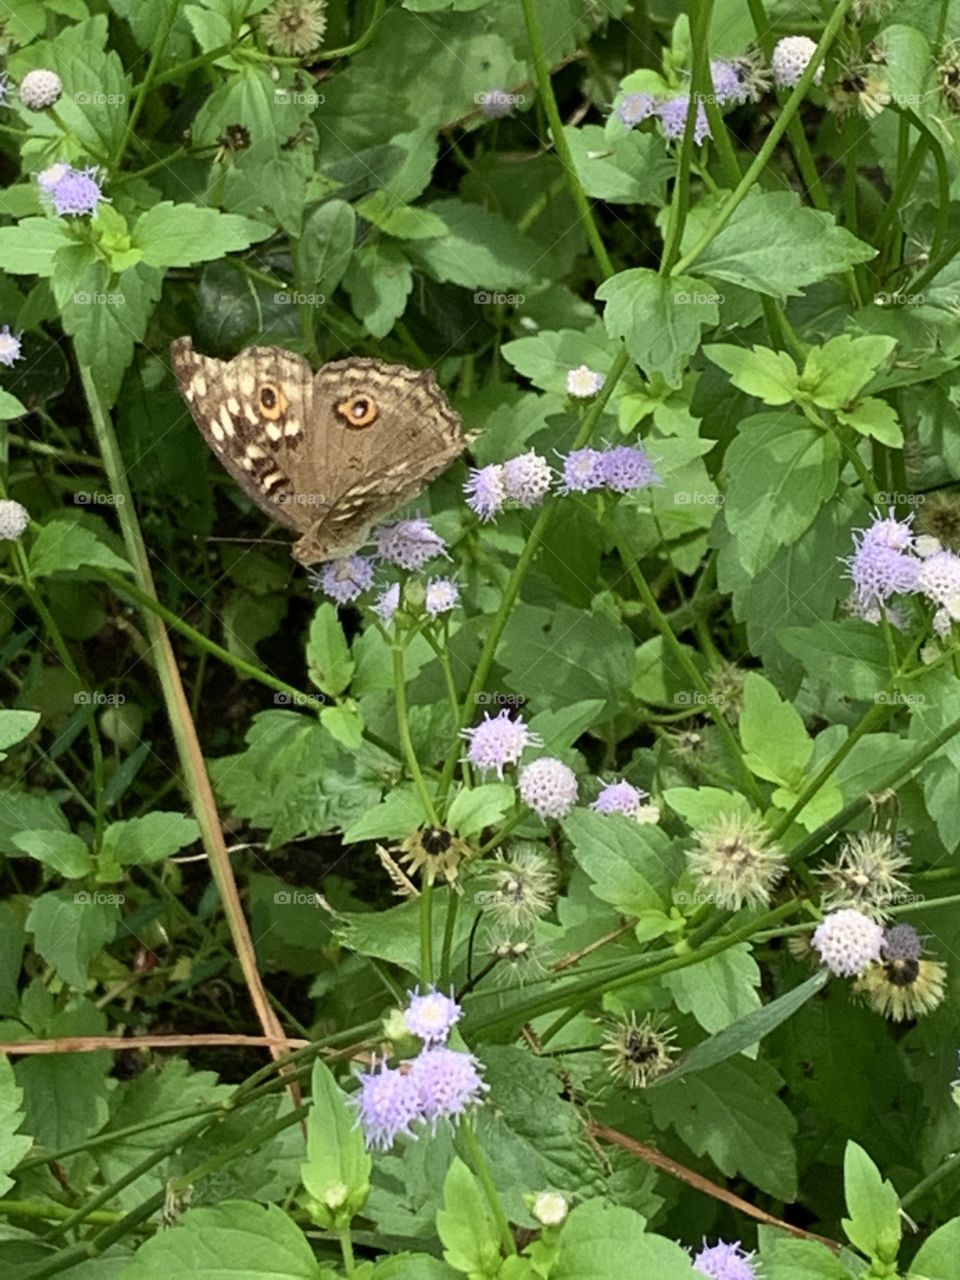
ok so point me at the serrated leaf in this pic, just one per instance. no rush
(466, 1226)
(836, 373)
(771, 376)
(328, 655)
(326, 244)
(599, 1240)
(474, 808)
(720, 990)
(874, 1225)
(399, 813)
(337, 1167)
(773, 734)
(480, 250)
(345, 724)
(27, 248)
(70, 928)
(938, 1258)
(631, 865)
(65, 852)
(180, 235)
(62, 547)
(379, 280)
(13, 1146)
(147, 839)
(874, 417)
(660, 319)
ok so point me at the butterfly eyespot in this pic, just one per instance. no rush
(359, 410)
(272, 402)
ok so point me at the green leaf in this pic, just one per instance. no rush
(179, 235)
(14, 727)
(345, 724)
(326, 243)
(599, 1240)
(630, 169)
(474, 808)
(62, 850)
(745, 1032)
(660, 319)
(406, 222)
(771, 376)
(399, 813)
(874, 417)
(234, 1239)
(27, 248)
(776, 245)
(480, 250)
(379, 280)
(784, 1257)
(874, 1225)
(631, 865)
(10, 407)
(732, 1113)
(699, 806)
(466, 1226)
(328, 655)
(938, 1258)
(836, 373)
(851, 656)
(780, 471)
(70, 928)
(337, 1169)
(148, 839)
(719, 991)
(13, 1146)
(773, 734)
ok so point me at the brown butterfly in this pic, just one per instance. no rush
(329, 454)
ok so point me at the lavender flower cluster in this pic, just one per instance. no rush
(735, 81)
(890, 560)
(406, 544)
(73, 192)
(439, 1083)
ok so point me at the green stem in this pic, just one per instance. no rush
(426, 931)
(156, 54)
(945, 1170)
(346, 1250)
(406, 742)
(51, 1212)
(541, 73)
(449, 930)
(480, 1167)
(700, 87)
(752, 174)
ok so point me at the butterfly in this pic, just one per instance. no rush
(329, 453)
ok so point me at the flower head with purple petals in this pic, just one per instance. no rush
(485, 491)
(74, 193)
(344, 580)
(635, 108)
(526, 479)
(442, 595)
(723, 1261)
(498, 741)
(548, 787)
(727, 84)
(431, 1016)
(388, 602)
(9, 346)
(938, 577)
(673, 114)
(883, 563)
(582, 471)
(409, 544)
(627, 467)
(790, 59)
(620, 797)
(388, 1103)
(447, 1083)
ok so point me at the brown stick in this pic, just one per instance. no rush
(88, 1044)
(659, 1161)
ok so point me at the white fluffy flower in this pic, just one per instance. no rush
(550, 1208)
(583, 382)
(848, 942)
(790, 59)
(548, 786)
(40, 89)
(14, 518)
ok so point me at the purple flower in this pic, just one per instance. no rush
(902, 942)
(620, 797)
(9, 346)
(485, 491)
(49, 177)
(584, 382)
(447, 1082)
(75, 192)
(548, 787)
(388, 602)
(790, 58)
(582, 471)
(635, 108)
(723, 1261)
(431, 1016)
(498, 741)
(526, 479)
(727, 85)
(388, 1103)
(442, 595)
(848, 942)
(409, 544)
(344, 580)
(673, 116)
(883, 564)
(627, 467)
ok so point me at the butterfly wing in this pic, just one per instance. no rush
(385, 431)
(254, 412)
